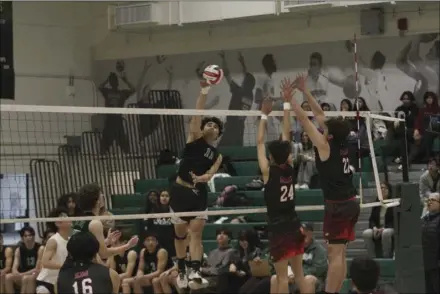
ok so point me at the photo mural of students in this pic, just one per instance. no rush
(241, 99)
(425, 72)
(115, 97)
(319, 77)
(375, 80)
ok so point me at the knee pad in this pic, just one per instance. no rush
(180, 238)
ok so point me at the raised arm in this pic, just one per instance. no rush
(194, 125)
(225, 67)
(318, 139)
(242, 63)
(266, 109)
(300, 84)
(96, 228)
(287, 92)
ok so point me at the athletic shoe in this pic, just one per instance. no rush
(195, 276)
(182, 280)
(196, 281)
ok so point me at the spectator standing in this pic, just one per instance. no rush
(429, 182)
(431, 244)
(381, 226)
(426, 127)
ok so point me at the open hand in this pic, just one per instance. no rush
(133, 241)
(300, 82)
(194, 178)
(287, 89)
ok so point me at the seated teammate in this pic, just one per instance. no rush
(6, 258)
(91, 200)
(199, 163)
(124, 264)
(80, 273)
(24, 267)
(286, 241)
(332, 162)
(153, 261)
(55, 252)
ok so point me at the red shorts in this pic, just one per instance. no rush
(284, 245)
(340, 218)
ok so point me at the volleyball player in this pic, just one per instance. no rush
(80, 273)
(55, 252)
(125, 263)
(6, 258)
(153, 261)
(190, 192)
(91, 200)
(333, 165)
(286, 241)
(25, 261)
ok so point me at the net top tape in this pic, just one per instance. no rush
(162, 111)
(390, 203)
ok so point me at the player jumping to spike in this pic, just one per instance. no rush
(335, 175)
(286, 241)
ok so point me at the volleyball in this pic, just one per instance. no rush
(213, 74)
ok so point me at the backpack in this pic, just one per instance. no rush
(230, 197)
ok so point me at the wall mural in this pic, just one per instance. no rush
(386, 66)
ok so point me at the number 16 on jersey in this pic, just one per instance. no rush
(287, 193)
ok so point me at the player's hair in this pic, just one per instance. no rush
(28, 229)
(88, 196)
(364, 273)
(267, 60)
(339, 128)
(56, 213)
(215, 120)
(279, 150)
(83, 247)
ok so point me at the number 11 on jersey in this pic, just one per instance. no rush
(286, 193)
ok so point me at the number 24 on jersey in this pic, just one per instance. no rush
(287, 193)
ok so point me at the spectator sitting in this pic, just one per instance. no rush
(239, 269)
(217, 263)
(431, 244)
(153, 200)
(381, 226)
(298, 129)
(364, 273)
(425, 126)
(304, 156)
(429, 182)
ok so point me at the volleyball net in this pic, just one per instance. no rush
(48, 151)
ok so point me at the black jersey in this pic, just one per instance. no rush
(28, 257)
(279, 195)
(335, 175)
(198, 157)
(150, 261)
(84, 278)
(2, 257)
(121, 262)
(82, 226)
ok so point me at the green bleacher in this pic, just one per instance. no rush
(244, 161)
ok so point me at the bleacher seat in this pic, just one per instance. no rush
(143, 186)
(121, 201)
(239, 153)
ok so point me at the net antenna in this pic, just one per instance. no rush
(358, 117)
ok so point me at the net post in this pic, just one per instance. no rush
(405, 163)
(407, 241)
(373, 158)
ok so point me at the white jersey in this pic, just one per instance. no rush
(51, 275)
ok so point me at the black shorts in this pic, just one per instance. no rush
(50, 287)
(184, 199)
